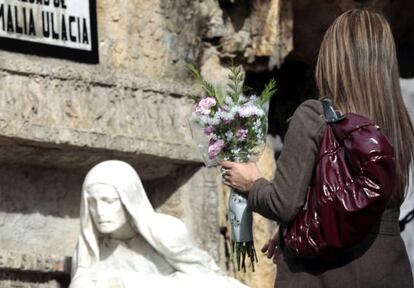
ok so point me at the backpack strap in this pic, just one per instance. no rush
(331, 115)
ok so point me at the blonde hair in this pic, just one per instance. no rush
(357, 67)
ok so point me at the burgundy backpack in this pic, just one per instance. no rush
(352, 182)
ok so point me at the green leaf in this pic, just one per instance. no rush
(268, 92)
(236, 85)
(219, 96)
(232, 86)
(208, 88)
(193, 97)
(194, 71)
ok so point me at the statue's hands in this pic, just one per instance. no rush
(104, 279)
(113, 283)
(108, 280)
(270, 248)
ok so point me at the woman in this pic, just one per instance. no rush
(357, 68)
(125, 243)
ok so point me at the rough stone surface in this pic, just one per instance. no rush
(150, 38)
(39, 210)
(25, 284)
(78, 120)
(272, 23)
(257, 32)
(33, 262)
(124, 115)
(196, 203)
(33, 270)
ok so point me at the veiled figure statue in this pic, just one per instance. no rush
(125, 243)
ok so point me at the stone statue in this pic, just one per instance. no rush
(125, 243)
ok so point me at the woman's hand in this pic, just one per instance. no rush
(270, 248)
(240, 176)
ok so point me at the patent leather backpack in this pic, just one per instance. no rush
(352, 182)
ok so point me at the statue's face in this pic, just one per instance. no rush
(106, 208)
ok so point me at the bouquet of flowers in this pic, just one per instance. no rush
(229, 125)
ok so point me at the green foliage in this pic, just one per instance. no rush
(207, 87)
(193, 97)
(236, 85)
(239, 252)
(236, 88)
(268, 92)
(236, 131)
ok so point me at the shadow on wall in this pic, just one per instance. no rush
(295, 84)
(30, 189)
(160, 190)
(54, 192)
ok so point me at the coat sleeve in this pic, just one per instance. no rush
(281, 199)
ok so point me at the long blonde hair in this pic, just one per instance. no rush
(357, 67)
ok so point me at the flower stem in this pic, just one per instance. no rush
(242, 249)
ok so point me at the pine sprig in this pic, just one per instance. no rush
(247, 90)
(219, 96)
(207, 87)
(268, 92)
(236, 85)
(193, 97)
(236, 77)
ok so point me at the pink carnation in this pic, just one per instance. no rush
(209, 129)
(241, 134)
(204, 106)
(215, 148)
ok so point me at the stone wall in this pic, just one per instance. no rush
(58, 118)
(149, 38)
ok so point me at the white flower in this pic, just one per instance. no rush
(242, 99)
(235, 151)
(229, 135)
(249, 109)
(228, 100)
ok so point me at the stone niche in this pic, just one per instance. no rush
(39, 218)
(55, 127)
